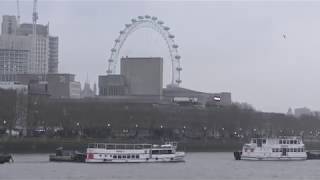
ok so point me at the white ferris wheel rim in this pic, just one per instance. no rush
(158, 26)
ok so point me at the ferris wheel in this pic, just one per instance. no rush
(158, 26)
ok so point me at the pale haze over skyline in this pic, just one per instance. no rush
(238, 47)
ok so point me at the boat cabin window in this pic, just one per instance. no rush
(137, 156)
(138, 146)
(166, 151)
(101, 146)
(295, 141)
(129, 146)
(259, 142)
(114, 157)
(295, 149)
(133, 156)
(128, 156)
(147, 146)
(280, 141)
(119, 156)
(110, 146)
(264, 141)
(92, 146)
(120, 146)
(124, 156)
(254, 141)
(155, 152)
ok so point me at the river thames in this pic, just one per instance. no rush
(197, 166)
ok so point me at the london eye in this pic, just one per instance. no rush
(157, 25)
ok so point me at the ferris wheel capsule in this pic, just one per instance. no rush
(127, 25)
(154, 18)
(179, 68)
(160, 22)
(166, 28)
(133, 20)
(147, 16)
(140, 17)
(122, 32)
(171, 36)
(178, 57)
(110, 60)
(113, 50)
(175, 46)
(109, 71)
(178, 81)
(117, 40)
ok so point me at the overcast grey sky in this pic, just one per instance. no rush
(225, 46)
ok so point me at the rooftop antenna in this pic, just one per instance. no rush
(18, 12)
(87, 80)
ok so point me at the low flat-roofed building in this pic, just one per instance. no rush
(223, 98)
(63, 86)
(14, 86)
(112, 85)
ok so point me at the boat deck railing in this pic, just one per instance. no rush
(119, 146)
(129, 146)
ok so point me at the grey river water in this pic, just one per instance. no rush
(197, 166)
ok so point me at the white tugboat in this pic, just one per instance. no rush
(283, 148)
(126, 153)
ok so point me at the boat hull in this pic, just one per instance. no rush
(178, 157)
(248, 158)
(134, 160)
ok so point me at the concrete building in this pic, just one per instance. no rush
(55, 86)
(298, 112)
(141, 80)
(220, 99)
(9, 25)
(63, 86)
(16, 49)
(20, 88)
(144, 76)
(112, 85)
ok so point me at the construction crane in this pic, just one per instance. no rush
(34, 35)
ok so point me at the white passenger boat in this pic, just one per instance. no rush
(126, 153)
(283, 148)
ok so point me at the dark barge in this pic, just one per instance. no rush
(67, 156)
(5, 158)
